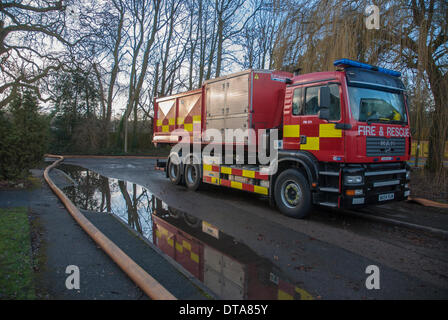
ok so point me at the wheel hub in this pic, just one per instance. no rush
(291, 194)
(174, 171)
(191, 174)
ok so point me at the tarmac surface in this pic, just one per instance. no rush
(239, 246)
(324, 257)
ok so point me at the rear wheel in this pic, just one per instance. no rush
(174, 172)
(191, 220)
(292, 194)
(192, 176)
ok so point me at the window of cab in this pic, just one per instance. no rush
(306, 101)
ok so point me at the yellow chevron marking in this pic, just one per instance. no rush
(282, 295)
(291, 131)
(249, 173)
(262, 190)
(236, 185)
(188, 127)
(304, 295)
(312, 143)
(328, 130)
(163, 231)
(215, 180)
(226, 170)
(186, 245)
(194, 257)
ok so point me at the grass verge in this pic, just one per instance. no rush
(28, 182)
(16, 265)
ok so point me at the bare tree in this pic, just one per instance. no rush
(232, 18)
(145, 16)
(28, 31)
(257, 39)
(108, 53)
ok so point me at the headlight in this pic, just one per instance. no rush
(408, 175)
(353, 179)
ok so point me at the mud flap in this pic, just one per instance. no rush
(161, 164)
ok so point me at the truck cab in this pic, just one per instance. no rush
(354, 123)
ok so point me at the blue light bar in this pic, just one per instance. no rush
(356, 64)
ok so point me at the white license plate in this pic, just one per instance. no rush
(386, 196)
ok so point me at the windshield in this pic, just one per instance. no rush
(370, 105)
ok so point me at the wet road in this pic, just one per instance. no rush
(240, 248)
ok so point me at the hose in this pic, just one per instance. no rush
(141, 278)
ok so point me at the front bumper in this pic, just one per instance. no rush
(382, 183)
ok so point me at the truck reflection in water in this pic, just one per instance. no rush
(229, 268)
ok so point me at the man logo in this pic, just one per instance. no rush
(72, 281)
(373, 17)
(387, 143)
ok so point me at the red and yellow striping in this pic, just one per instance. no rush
(189, 123)
(298, 294)
(236, 172)
(326, 130)
(163, 233)
(213, 173)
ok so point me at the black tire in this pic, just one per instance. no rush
(174, 172)
(292, 194)
(174, 213)
(192, 221)
(192, 176)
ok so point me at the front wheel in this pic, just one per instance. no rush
(292, 194)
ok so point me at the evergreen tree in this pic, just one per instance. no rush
(23, 137)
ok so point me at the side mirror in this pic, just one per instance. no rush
(324, 97)
(324, 113)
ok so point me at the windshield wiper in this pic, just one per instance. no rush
(370, 120)
(403, 123)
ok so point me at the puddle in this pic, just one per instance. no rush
(230, 269)
(128, 201)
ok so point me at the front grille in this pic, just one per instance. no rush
(377, 176)
(376, 146)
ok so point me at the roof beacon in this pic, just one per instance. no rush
(356, 64)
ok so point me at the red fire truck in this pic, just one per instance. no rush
(343, 136)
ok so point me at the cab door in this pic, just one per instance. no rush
(315, 135)
(292, 118)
